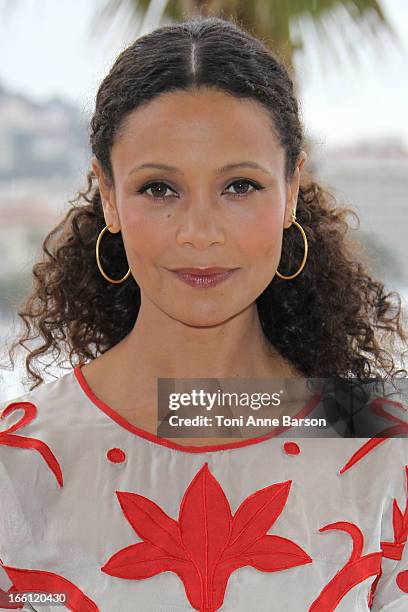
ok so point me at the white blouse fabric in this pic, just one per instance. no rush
(119, 520)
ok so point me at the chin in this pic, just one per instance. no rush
(202, 319)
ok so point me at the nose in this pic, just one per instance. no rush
(200, 225)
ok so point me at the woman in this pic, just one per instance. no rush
(197, 164)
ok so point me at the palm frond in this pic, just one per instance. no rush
(273, 21)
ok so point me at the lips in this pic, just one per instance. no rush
(202, 271)
(203, 277)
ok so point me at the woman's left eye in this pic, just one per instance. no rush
(241, 182)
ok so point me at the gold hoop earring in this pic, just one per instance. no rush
(302, 265)
(111, 280)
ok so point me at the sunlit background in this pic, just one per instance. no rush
(349, 64)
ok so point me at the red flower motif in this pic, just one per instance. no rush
(373, 588)
(27, 580)
(361, 452)
(357, 569)
(207, 543)
(6, 437)
(402, 581)
(291, 448)
(400, 428)
(116, 455)
(393, 550)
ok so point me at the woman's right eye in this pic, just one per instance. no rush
(154, 187)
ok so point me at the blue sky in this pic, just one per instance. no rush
(48, 51)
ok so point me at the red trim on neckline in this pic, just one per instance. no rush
(120, 420)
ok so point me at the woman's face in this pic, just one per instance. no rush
(205, 207)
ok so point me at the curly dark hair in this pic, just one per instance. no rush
(333, 319)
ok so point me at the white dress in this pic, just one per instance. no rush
(115, 519)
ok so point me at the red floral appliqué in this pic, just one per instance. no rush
(402, 581)
(373, 588)
(357, 569)
(291, 448)
(6, 437)
(116, 455)
(36, 580)
(401, 427)
(207, 543)
(393, 550)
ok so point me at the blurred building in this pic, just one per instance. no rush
(372, 177)
(43, 157)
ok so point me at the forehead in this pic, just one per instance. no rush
(194, 124)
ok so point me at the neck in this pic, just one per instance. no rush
(161, 346)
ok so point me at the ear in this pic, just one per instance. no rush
(107, 192)
(292, 190)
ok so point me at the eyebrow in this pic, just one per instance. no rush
(248, 164)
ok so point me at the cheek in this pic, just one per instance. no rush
(144, 238)
(261, 238)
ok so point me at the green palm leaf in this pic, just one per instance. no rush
(273, 20)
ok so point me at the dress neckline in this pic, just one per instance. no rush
(147, 435)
